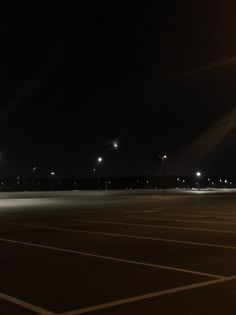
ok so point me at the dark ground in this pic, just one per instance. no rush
(90, 252)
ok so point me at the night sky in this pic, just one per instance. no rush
(158, 78)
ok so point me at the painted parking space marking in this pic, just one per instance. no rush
(181, 220)
(130, 236)
(200, 215)
(148, 296)
(115, 259)
(158, 226)
(25, 305)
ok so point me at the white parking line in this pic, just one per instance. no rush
(147, 296)
(127, 261)
(23, 304)
(147, 211)
(158, 226)
(129, 236)
(181, 220)
(199, 215)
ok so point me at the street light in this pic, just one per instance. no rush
(115, 145)
(100, 159)
(163, 157)
(52, 173)
(198, 174)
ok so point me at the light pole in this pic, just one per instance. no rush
(199, 174)
(115, 145)
(163, 158)
(100, 160)
(34, 177)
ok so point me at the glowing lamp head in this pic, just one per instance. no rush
(100, 159)
(115, 145)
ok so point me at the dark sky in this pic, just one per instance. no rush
(156, 77)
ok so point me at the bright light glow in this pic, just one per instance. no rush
(178, 179)
(115, 145)
(100, 159)
(226, 181)
(198, 174)
(52, 173)
(220, 180)
(208, 179)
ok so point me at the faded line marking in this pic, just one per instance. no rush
(147, 296)
(146, 211)
(200, 215)
(26, 305)
(182, 220)
(127, 261)
(131, 236)
(158, 226)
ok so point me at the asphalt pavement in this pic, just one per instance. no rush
(118, 252)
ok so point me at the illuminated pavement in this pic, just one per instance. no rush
(122, 252)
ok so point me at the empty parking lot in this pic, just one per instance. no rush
(139, 252)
